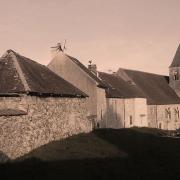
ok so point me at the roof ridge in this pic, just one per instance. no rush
(141, 72)
(85, 69)
(125, 76)
(19, 70)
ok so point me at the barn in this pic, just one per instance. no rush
(36, 106)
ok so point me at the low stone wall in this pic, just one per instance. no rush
(47, 119)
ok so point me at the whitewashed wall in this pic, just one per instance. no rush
(140, 105)
(63, 66)
(129, 112)
(115, 113)
(126, 112)
(101, 107)
(152, 116)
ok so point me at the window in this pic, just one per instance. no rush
(176, 113)
(168, 113)
(175, 75)
(130, 118)
(101, 115)
(160, 126)
(98, 125)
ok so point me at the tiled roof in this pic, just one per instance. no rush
(19, 74)
(152, 86)
(118, 88)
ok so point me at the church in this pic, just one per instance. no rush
(125, 98)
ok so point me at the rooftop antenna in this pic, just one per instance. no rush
(59, 47)
(64, 47)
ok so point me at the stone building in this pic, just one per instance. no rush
(126, 98)
(163, 104)
(126, 107)
(156, 96)
(73, 71)
(36, 106)
(110, 107)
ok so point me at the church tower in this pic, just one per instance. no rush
(174, 73)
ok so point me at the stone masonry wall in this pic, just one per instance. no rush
(48, 119)
(171, 121)
(158, 117)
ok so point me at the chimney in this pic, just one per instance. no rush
(93, 68)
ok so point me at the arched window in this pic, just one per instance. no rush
(176, 113)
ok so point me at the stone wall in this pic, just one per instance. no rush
(47, 119)
(159, 118)
(168, 122)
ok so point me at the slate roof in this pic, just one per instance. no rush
(152, 86)
(118, 88)
(176, 60)
(19, 74)
(86, 70)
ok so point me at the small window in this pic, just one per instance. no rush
(130, 118)
(167, 113)
(98, 125)
(175, 75)
(101, 115)
(160, 126)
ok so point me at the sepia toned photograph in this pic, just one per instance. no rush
(90, 89)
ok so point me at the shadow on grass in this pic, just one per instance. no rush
(149, 157)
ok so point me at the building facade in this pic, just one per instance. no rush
(129, 98)
(73, 71)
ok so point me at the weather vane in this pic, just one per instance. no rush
(60, 47)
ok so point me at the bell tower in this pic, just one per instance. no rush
(174, 73)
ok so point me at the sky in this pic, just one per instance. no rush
(134, 34)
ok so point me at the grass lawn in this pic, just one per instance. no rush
(102, 154)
